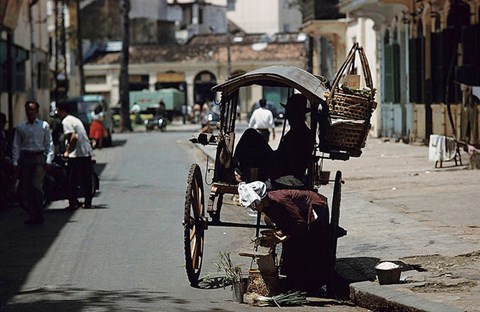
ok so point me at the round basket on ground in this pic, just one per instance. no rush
(262, 283)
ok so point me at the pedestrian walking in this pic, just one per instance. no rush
(32, 156)
(97, 128)
(262, 120)
(79, 153)
(197, 112)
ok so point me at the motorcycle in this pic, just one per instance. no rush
(158, 122)
(55, 183)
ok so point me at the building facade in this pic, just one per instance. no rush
(428, 56)
(24, 58)
(196, 66)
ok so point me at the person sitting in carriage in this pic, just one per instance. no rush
(292, 155)
(301, 220)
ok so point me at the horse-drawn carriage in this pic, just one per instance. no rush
(339, 123)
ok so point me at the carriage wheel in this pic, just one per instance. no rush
(194, 224)
(337, 192)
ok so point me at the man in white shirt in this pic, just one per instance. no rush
(79, 153)
(32, 156)
(262, 120)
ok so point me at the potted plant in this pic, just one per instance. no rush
(233, 275)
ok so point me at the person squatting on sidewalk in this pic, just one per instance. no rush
(32, 156)
(79, 153)
(301, 225)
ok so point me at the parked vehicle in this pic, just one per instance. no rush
(147, 100)
(56, 182)
(157, 122)
(82, 108)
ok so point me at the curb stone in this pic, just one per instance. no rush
(383, 298)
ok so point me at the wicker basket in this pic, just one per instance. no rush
(347, 123)
(262, 283)
(350, 106)
(344, 136)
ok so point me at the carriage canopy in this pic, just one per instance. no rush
(311, 86)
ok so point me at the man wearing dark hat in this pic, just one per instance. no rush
(294, 150)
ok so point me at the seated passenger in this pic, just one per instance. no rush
(293, 153)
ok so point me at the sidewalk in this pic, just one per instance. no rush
(396, 206)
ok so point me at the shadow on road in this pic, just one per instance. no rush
(23, 246)
(118, 143)
(58, 298)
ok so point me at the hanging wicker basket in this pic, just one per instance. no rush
(345, 136)
(350, 104)
(347, 122)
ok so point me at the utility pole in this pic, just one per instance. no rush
(61, 79)
(33, 52)
(229, 59)
(80, 50)
(125, 124)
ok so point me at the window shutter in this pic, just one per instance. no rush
(388, 74)
(438, 77)
(412, 70)
(420, 72)
(396, 72)
(43, 76)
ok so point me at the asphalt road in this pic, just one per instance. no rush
(126, 253)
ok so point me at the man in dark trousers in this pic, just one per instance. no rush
(262, 121)
(79, 153)
(32, 156)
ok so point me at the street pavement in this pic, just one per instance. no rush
(396, 206)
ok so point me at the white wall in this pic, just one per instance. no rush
(265, 16)
(362, 31)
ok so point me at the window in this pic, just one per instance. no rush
(19, 57)
(200, 16)
(231, 5)
(416, 69)
(392, 73)
(43, 76)
(98, 79)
